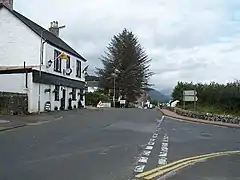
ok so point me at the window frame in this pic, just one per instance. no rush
(57, 61)
(78, 68)
(68, 62)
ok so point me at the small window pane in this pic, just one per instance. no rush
(68, 62)
(57, 61)
(78, 69)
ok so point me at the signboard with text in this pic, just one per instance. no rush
(190, 96)
(189, 93)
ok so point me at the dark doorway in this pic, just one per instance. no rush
(63, 99)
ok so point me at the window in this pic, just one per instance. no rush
(74, 96)
(68, 62)
(57, 61)
(57, 92)
(78, 69)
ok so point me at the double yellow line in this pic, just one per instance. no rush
(160, 171)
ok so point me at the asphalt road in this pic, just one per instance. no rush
(115, 144)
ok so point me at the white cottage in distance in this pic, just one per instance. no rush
(56, 84)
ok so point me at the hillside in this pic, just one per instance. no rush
(158, 96)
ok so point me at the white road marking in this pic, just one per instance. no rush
(164, 151)
(37, 123)
(165, 140)
(139, 168)
(152, 140)
(151, 143)
(160, 120)
(149, 148)
(165, 144)
(143, 159)
(163, 154)
(162, 161)
(146, 153)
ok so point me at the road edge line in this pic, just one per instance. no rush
(14, 127)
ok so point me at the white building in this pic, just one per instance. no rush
(92, 86)
(59, 83)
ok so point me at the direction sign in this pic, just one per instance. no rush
(190, 98)
(189, 93)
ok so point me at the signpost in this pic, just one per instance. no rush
(190, 96)
(189, 93)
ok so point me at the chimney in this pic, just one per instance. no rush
(8, 3)
(54, 28)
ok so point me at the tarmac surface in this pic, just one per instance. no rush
(115, 144)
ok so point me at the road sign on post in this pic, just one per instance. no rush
(190, 93)
(190, 96)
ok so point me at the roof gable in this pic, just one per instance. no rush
(48, 36)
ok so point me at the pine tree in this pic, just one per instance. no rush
(125, 54)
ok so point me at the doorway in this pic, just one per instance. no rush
(63, 99)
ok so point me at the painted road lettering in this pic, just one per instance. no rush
(162, 154)
(139, 168)
(152, 139)
(155, 135)
(142, 161)
(149, 147)
(146, 153)
(164, 151)
(151, 143)
(162, 161)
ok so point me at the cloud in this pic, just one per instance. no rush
(188, 40)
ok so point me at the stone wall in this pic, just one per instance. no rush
(207, 116)
(13, 103)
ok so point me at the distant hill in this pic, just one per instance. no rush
(156, 95)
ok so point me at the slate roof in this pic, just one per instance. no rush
(48, 36)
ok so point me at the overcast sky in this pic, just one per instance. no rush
(188, 40)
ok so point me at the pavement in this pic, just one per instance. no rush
(8, 122)
(117, 144)
(178, 117)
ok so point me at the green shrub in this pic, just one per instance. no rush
(92, 98)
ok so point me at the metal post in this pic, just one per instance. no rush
(184, 105)
(194, 105)
(114, 90)
(40, 72)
